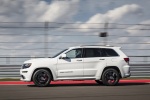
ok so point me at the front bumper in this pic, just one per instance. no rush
(26, 74)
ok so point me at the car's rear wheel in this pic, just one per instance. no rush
(42, 78)
(110, 77)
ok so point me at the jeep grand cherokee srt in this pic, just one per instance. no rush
(104, 64)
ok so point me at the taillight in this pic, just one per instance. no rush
(127, 60)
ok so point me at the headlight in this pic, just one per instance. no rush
(26, 65)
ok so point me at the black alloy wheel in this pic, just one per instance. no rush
(110, 77)
(42, 78)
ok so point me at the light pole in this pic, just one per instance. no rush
(46, 39)
(104, 34)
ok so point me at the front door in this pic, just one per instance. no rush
(72, 65)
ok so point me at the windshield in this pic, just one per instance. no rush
(59, 53)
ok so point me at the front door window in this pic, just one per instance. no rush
(75, 53)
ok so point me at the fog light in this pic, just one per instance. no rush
(24, 71)
(22, 77)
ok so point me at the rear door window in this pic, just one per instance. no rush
(108, 52)
(91, 52)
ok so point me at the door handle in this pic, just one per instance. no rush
(79, 60)
(101, 59)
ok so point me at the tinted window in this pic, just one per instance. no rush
(91, 52)
(108, 53)
(75, 53)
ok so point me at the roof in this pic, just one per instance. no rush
(93, 46)
(97, 45)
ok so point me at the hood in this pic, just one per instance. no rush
(37, 60)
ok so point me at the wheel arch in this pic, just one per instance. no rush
(113, 67)
(42, 68)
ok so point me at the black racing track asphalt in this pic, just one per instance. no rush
(123, 91)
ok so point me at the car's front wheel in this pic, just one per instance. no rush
(42, 78)
(110, 77)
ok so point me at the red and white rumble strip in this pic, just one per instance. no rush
(74, 82)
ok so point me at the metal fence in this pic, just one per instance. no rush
(9, 71)
(140, 70)
(20, 60)
(20, 40)
(139, 67)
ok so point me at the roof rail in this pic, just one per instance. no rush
(98, 45)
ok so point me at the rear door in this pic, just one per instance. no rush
(92, 61)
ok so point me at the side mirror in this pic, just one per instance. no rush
(63, 56)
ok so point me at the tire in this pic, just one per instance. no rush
(110, 77)
(99, 81)
(42, 78)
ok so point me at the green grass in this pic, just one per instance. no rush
(9, 79)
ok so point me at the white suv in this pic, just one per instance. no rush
(104, 64)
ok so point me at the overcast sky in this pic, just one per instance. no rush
(82, 16)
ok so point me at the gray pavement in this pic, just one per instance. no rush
(76, 92)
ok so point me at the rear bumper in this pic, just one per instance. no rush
(127, 75)
(126, 71)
